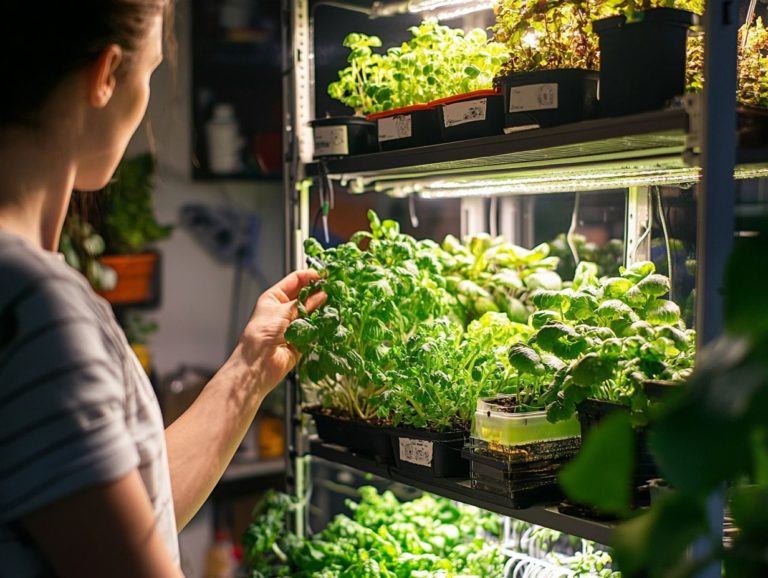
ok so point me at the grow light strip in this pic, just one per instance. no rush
(558, 183)
(440, 9)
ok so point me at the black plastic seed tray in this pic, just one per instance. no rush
(541, 451)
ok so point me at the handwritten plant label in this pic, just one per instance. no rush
(463, 112)
(417, 452)
(395, 127)
(533, 97)
(331, 141)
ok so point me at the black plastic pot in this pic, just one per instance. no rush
(592, 411)
(341, 136)
(363, 438)
(471, 115)
(407, 127)
(424, 453)
(524, 484)
(548, 97)
(642, 64)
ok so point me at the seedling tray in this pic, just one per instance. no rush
(366, 439)
(525, 484)
(426, 453)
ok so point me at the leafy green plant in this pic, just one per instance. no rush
(548, 35)
(603, 339)
(752, 63)
(82, 247)
(436, 62)
(384, 538)
(709, 440)
(376, 299)
(129, 221)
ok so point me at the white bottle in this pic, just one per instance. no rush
(224, 140)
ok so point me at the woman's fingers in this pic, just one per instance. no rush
(291, 285)
(315, 300)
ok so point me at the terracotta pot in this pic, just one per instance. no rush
(135, 274)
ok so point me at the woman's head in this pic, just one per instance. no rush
(105, 49)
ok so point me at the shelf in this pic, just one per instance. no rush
(459, 490)
(648, 148)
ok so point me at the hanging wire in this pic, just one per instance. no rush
(748, 23)
(663, 221)
(644, 236)
(572, 228)
(412, 211)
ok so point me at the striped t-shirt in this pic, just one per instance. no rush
(76, 409)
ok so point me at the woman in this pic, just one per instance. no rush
(90, 484)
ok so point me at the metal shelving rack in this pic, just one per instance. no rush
(695, 143)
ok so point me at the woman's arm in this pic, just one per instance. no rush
(202, 441)
(108, 530)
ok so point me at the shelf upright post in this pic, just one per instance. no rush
(715, 214)
(297, 106)
(637, 225)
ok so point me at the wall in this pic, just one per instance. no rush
(194, 316)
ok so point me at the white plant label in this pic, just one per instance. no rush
(331, 141)
(533, 97)
(458, 113)
(395, 127)
(417, 452)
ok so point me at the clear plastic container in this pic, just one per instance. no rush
(496, 424)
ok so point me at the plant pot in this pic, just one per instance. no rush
(410, 126)
(498, 424)
(342, 136)
(136, 278)
(642, 64)
(548, 97)
(471, 115)
(358, 436)
(430, 454)
(592, 411)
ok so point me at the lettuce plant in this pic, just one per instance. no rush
(436, 62)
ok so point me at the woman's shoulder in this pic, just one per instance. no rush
(25, 269)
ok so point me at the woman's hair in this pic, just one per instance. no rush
(43, 41)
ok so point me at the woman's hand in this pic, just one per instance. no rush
(262, 343)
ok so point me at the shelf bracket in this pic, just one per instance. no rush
(473, 216)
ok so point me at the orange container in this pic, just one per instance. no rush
(135, 274)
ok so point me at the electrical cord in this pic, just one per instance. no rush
(663, 221)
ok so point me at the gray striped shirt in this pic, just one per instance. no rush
(76, 409)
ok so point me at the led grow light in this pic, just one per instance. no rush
(440, 9)
(607, 178)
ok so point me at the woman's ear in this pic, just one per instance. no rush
(102, 77)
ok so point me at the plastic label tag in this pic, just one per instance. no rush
(331, 141)
(458, 113)
(417, 452)
(395, 127)
(533, 97)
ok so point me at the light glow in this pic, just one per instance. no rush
(440, 9)
(575, 181)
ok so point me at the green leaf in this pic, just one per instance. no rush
(656, 542)
(601, 474)
(654, 285)
(638, 271)
(301, 333)
(616, 287)
(525, 360)
(662, 312)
